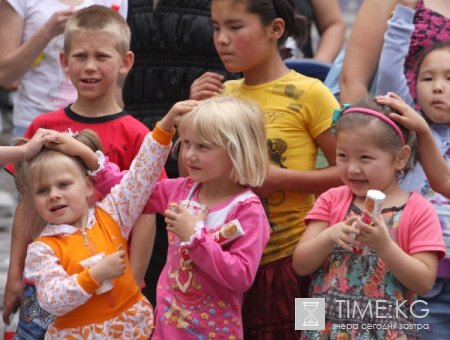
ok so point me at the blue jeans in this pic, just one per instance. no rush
(33, 321)
(438, 317)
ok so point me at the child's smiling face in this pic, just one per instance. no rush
(363, 165)
(60, 192)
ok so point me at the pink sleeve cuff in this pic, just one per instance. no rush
(197, 235)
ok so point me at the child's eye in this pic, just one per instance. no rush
(64, 184)
(41, 191)
(340, 155)
(102, 56)
(236, 27)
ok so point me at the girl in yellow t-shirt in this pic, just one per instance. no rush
(298, 112)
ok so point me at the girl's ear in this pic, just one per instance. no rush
(403, 157)
(277, 28)
(127, 62)
(89, 188)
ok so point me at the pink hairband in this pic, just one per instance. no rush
(345, 109)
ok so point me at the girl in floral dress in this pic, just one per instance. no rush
(370, 296)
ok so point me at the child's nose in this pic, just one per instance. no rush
(353, 168)
(222, 38)
(438, 86)
(189, 153)
(54, 193)
(90, 64)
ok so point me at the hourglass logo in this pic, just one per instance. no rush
(310, 314)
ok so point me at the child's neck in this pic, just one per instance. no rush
(266, 73)
(212, 194)
(96, 108)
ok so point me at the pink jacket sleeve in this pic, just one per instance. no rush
(107, 178)
(331, 206)
(234, 267)
(420, 229)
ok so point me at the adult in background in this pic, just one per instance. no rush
(326, 16)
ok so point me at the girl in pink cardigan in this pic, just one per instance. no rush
(362, 292)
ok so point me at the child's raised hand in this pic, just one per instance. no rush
(65, 143)
(57, 22)
(110, 266)
(407, 116)
(207, 85)
(375, 236)
(35, 144)
(182, 222)
(177, 110)
(344, 233)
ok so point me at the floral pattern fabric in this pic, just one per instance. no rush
(352, 284)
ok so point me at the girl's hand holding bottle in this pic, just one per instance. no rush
(109, 267)
(343, 233)
(376, 235)
(182, 222)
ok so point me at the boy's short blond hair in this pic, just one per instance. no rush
(99, 19)
(238, 127)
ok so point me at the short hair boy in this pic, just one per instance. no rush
(96, 57)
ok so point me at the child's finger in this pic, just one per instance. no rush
(352, 229)
(169, 213)
(169, 221)
(171, 228)
(345, 245)
(183, 211)
(396, 117)
(351, 220)
(203, 213)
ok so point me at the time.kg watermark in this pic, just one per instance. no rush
(310, 314)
